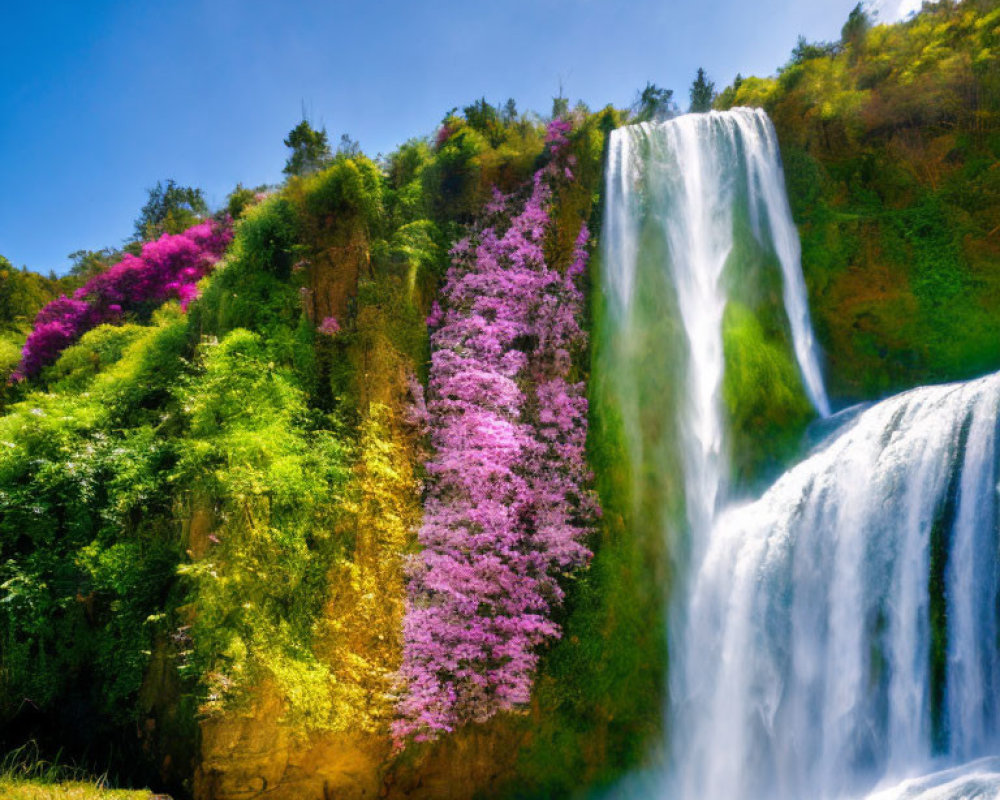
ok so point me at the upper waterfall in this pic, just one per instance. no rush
(681, 188)
(841, 631)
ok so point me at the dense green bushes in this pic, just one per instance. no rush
(88, 551)
(270, 476)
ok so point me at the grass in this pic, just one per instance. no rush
(17, 789)
(25, 775)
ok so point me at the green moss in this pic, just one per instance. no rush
(762, 389)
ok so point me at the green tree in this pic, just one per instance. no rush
(509, 114)
(805, 50)
(169, 209)
(702, 93)
(853, 34)
(560, 105)
(310, 150)
(484, 118)
(88, 263)
(348, 147)
(652, 103)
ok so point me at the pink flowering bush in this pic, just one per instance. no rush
(168, 268)
(508, 507)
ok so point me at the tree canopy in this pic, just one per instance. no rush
(702, 93)
(170, 209)
(310, 149)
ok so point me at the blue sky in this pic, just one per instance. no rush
(100, 99)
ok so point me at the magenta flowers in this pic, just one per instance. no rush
(168, 268)
(508, 506)
(329, 326)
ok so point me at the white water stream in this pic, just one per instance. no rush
(838, 637)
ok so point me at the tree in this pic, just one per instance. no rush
(310, 150)
(855, 30)
(170, 209)
(702, 93)
(653, 103)
(805, 50)
(560, 104)
(509, 114)
(88, 263)
(348, 147)
(484, 118)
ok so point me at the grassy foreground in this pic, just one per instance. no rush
(12, 789)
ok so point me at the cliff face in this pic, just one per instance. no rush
(255, 466)
(271, 738)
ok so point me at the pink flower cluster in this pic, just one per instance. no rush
(168, 268)
(329, 326)
(557, 134)
(508, 506)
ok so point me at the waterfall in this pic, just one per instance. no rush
(682, 182)
(838, 637)
(842, 629)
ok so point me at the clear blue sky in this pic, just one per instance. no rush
(100, 99)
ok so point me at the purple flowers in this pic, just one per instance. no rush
(507, 507)
(168, 268)
(329, 326)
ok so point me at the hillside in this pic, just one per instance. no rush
(891, 141)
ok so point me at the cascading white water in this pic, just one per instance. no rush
(688, 175)
(807, 665)
(838, 638)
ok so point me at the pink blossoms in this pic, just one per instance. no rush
(508, 506)
(168, 268)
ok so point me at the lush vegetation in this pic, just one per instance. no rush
(508, 506)
(236, 544)
(210, 482)
(890, 139)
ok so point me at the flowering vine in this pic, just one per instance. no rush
(167, 268)
(508, 507)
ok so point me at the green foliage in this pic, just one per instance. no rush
(453, 178)
(170, 209)
(855, 30)
(86, 561)
(10, 356)
(310, 150)
(351, 187)
(251, 287)
(97, 350)
(702, 93)
(241, 198)
(485, 119)
(766, 404)
(652, 102)
(88, 263)
(22, 294)
(888, 144)
(271, 481)
(405, 201)
(475, 154)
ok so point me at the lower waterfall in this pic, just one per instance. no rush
(840, 633)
